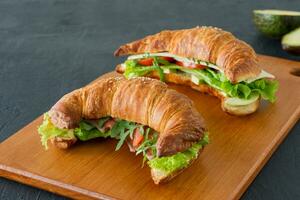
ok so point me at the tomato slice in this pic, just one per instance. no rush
(191, 65)
(137, 138)
(179, 63)
(169, 59)
(146, 61)
(149, 61)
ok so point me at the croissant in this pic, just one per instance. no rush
(210, 49)
(140, 100)
(235, 57)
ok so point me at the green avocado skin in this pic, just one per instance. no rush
(275, 26)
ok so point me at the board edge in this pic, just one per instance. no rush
(257, 167)
(50, 185)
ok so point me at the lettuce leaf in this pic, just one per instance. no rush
(121, 130)
(135, 70)
(266, 88)
(168, 164)
(87, 131)
(263, 87)
(84, 132)
(48, 131)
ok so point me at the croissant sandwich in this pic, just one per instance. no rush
(207, 59)
(159, 123)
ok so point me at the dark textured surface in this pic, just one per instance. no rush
(48, 48)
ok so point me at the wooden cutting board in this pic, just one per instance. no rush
(239, 148)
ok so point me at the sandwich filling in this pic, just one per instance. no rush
(141, 139)
(201, 72)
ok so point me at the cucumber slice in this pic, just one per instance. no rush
(167, 71)
(291, 42)
(240, 102)
(195, 79)
(275, 23)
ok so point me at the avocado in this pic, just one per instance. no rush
(291, 42)
(275, 23)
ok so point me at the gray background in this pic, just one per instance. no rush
(48, 48)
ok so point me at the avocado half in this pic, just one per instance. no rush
(291, 42)
(275, 23)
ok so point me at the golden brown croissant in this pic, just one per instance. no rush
(237, 59)
(141, 100)
(204, 88)
(207, 59)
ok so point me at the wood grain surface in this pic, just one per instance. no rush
(239, 148)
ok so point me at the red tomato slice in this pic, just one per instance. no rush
(179, 63)
(146, 61)
(137, 138)
(169, 59)
(191, 65)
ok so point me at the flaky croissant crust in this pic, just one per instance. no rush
(237, 59)
(142, 100)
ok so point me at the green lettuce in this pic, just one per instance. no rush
(84, 132)
(48, 131)
(121, 130)
(263, 87)
(133, 69)
(168, 164)
(243, 90)
(87, 131)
